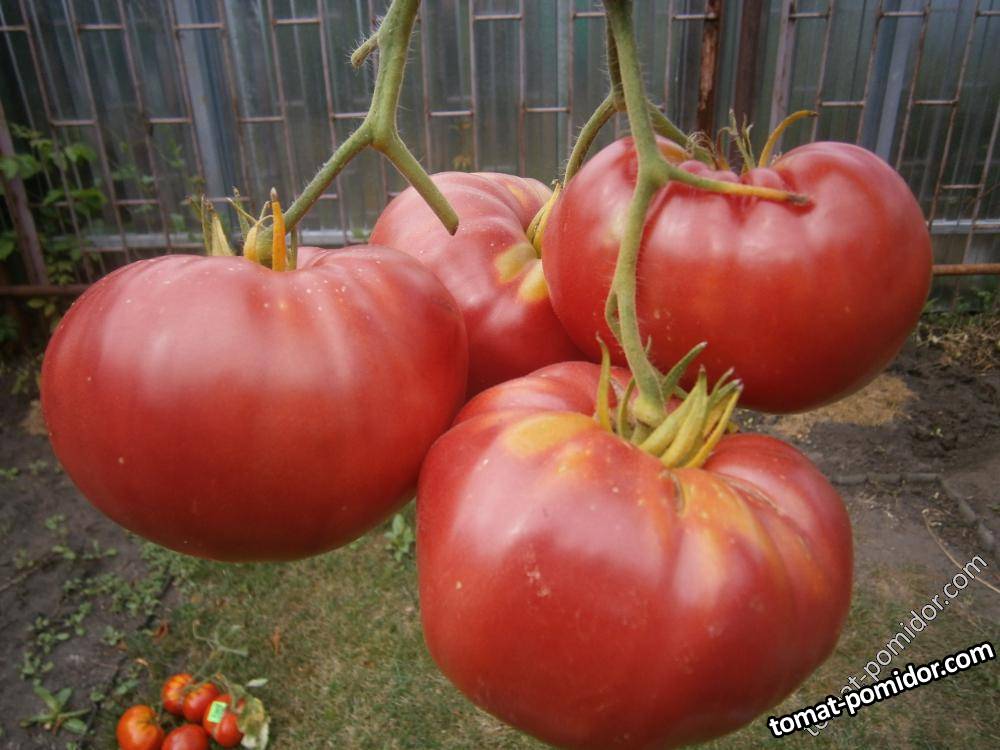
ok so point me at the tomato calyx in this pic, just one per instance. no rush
(217, 244)
(772, 140)
(739, 135)
(536, 229)
(689, 425)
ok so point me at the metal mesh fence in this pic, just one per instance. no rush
(164, 98)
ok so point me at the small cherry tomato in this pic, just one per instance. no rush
(138, 729)
(172, 694)
(197, 700)
(187, 737)
(220, 722)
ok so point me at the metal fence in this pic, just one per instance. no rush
(163, 98)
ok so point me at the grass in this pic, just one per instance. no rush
(338, 639)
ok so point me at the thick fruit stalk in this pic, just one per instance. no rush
(670, 436)
(378, 130)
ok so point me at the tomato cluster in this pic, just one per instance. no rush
(601, 561)
(207, 712)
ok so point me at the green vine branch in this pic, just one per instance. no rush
(378, 130)
(654, 172)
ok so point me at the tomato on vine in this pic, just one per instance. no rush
(598, 585)
(186, 737)
(172, 693)
(222, 723)
(807, 302)
(255, 408)
(490, 266)
(197, 699)
(139, 729)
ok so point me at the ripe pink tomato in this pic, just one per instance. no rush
(489, 266)
(807, 303)
(574, 587)
(225, 410)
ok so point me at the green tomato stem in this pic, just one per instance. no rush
(378, 130)
(654, 172)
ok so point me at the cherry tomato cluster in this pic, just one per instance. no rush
(208, 714)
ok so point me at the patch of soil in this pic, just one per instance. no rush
(881, 402)
(62, 565)
(907, 453)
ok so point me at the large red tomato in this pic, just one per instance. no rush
(489, 266)
(226, 410)
(807, 303)
(574, 587)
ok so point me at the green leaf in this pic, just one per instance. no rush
(53, 196)
(7, 245)
(257, 682)
(47, 698)
(76, 726)
(77, 152)
(9, 167)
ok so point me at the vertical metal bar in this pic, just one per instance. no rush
(951, 116)
(280, 88)
(913, 84)
(229, 71)
(102, 152)
(868, 72)
(473, 78)
(522, 104)
(570, 62)
(893, 93)
(330, 112)
(824, 56)
(174, 37)
(20, 213)
(426, 85)
(709, 65)
(669, 56)
(745, 93)
(981, 191)
(137, 86)
(783, 65)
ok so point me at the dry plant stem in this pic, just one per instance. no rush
(654, 172)
(378, 129)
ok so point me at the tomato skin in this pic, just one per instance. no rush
(807, 303)
(226, 731)
(489, 266)
(224, 410)
(172, 693)
(186, 737)
(138, 729)
(574, 588)
(197, 700)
